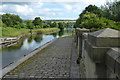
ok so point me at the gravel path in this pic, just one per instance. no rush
(57, 61)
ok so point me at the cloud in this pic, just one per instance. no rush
(54, 0)
(17, 9)
(23, 10)
(29, 9)
(68, 7)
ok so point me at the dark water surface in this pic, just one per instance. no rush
(26, 45)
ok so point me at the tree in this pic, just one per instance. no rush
(92, 9)
(60, 26)
(112, 10)
(29, 24)
(11, 20)
(91, 20)
(54, 24)
(20, 25)
(37, 22)
(46, 26)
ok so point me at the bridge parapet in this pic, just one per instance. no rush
(98, 51)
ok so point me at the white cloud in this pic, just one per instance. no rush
(16, 9)
(2, 13)
(68, 7)
(23, 9)
(39, 8)
(54, 0)
(38, 4)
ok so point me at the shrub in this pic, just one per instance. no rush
(46, 26)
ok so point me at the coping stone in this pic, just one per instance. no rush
(105, 38)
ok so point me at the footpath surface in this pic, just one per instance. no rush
(58, 60)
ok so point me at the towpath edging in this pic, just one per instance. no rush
(17, 63)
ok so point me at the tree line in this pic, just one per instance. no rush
(94, 17)
(14, 21)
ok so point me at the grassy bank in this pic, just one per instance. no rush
(14, 32)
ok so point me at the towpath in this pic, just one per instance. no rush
(58, 60)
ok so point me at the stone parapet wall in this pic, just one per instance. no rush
(112, 61)
(99, 53)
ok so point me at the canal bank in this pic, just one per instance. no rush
(9, 41)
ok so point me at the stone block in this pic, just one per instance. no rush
(105, 38)
(85, 35)
(117, 66)
(83, 30)
(111, 57)
(97, 54)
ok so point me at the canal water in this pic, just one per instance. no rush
(26, 45)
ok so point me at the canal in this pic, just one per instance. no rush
(26, 45)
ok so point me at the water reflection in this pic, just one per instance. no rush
(38, 38)
(61, 32)
(26, 45)
(54, 35)
(30, 39)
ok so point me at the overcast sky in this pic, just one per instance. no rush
(47, 9)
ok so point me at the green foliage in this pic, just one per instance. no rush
(29, 24)
(54, 24)
(2, 24)
(46, 26)
(61, 33)
(38, 26)
(20, 25)
(90, 20)
(92, 9)
(60, 26)
(93, 17)
(11, 20)
(112, 11)
(37, 22)
(13, 32)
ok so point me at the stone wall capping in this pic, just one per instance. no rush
(105, 37)
(107, 32)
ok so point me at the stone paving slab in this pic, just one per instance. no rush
(55, 62)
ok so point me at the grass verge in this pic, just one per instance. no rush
(14, 32)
